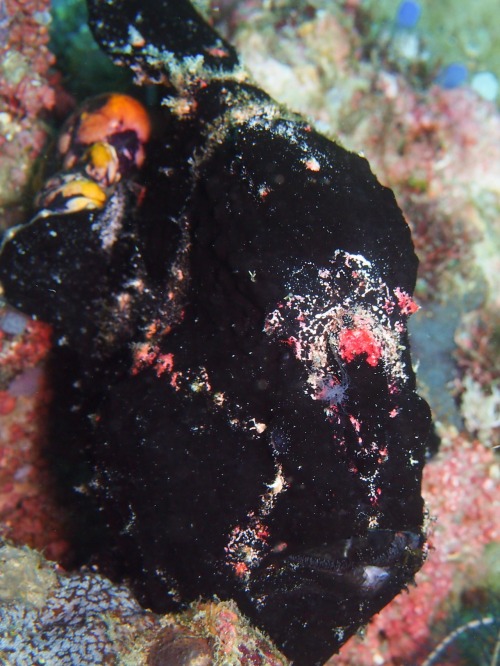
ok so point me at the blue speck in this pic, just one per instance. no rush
(408, 14)
(452, 76)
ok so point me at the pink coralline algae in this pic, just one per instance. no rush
(29, 513)
(437, 150)
(23, 343)
(26, 91)
(356, 341)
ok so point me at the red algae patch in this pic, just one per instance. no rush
(29, 513)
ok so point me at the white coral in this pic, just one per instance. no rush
(481, 411)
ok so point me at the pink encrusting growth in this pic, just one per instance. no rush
(356, 341)
(339, 323)
(29, 513)
(147, 355)
(27, 90)
(406, 303)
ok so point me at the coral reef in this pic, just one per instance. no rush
(368, 82)
(26, 91)
(47, 616)
(29, 512)
(457, 40)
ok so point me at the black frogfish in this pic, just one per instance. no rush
(230, 292)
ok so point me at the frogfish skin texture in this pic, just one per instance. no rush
(229, 302)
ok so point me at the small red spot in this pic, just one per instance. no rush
(406, 303)
(294, 344)
(217, 52)
(262, 533)
(240, 569)
(173, 381)
(356, 341)
(388, 306)
(7, 403)
(312, 164)
(144, 356)
(355, 423)
(280, 547)
(164, 363)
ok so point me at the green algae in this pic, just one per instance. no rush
(86, 70)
